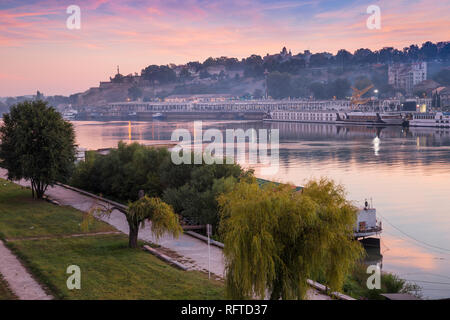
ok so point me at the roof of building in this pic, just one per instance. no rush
(445, 90)
(428, 84)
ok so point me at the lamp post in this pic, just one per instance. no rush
(376, 97)
(209, 232)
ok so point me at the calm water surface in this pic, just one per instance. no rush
(406, 173)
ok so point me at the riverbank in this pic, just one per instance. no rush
(187, 250)
(48, 238)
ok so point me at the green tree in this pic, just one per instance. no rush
(160, 214)
(37, 145)
(162, 74)
(191, 189)
(279, 85)
(276, 238)
(185, 74)
(194, 189)
(339, 88)
(204, 74)
(153, 210)
(134, 92)
(443, 77)
(258, 93)
(3, 109)
(319, 90)
(123, 172)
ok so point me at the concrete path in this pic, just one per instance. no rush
(189, 251)
(20, 281)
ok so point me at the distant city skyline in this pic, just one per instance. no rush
(38, 52)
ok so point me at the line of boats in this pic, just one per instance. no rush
(396, 118)
(414, 119)
(72, 114)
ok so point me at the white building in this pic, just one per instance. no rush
(406, 76)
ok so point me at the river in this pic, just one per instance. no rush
(405, 173)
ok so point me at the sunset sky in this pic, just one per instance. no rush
(38, 52)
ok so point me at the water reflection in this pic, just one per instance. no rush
(405, 171)
(376, 145)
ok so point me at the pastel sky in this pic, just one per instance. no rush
(38, 52)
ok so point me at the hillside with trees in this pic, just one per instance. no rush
(321, 75)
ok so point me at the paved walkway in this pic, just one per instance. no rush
(189, 251)
(20, 281)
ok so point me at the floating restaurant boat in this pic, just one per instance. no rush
(430, 119)
(393, 118)
(371, 118)
(343, 117)
(321, 116)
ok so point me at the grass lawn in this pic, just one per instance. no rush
(5, 292)
(109, 270)
(21, 216)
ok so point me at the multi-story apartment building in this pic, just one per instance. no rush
(406, 76)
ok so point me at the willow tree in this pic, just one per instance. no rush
(161, 216)
(276, 238)
(153, 210)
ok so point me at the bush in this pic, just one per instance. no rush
(191, 189)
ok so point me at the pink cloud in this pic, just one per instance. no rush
(158, 32)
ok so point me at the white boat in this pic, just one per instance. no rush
(158, 115)
(350, 117)
(302, 116)
(367, 224)
(70, 114)
(430, 119)
(359, 117)
(392, 118)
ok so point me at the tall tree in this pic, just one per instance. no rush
(37, 145)
(162, 74)
(276, 238)
(339, 88)
(443, 77)
(279, 85)
(134, 92)
(153, 210)
(158, 213)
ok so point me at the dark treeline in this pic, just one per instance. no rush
(319, 75)
(255, 65)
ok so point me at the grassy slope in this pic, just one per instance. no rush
(21, 216)
(109, 270)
